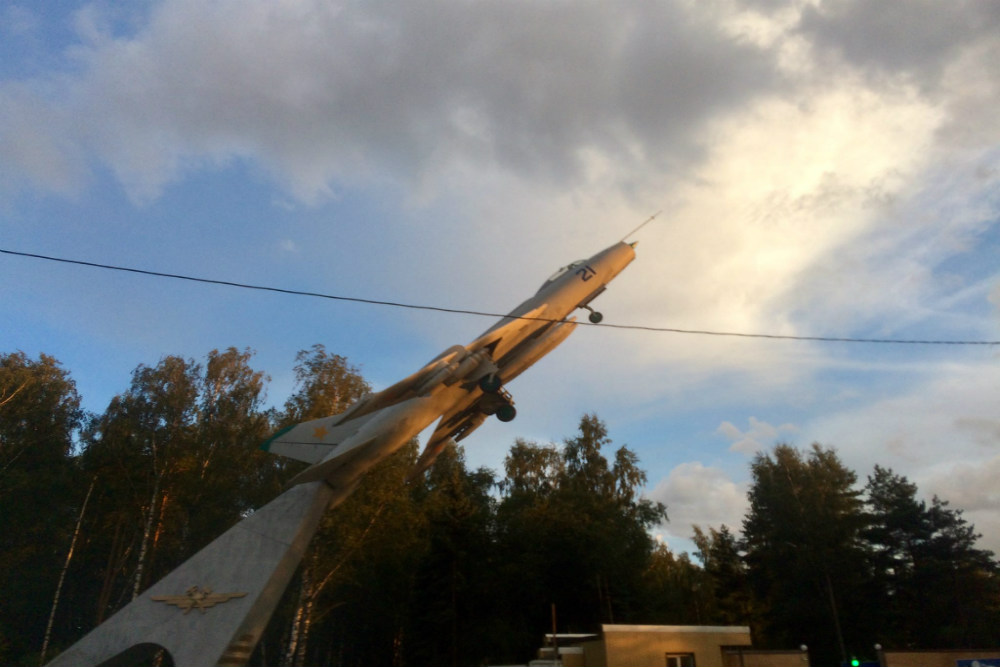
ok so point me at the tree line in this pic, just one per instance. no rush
(458, 566)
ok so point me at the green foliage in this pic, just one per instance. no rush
(677, 591)
(934, 587)
(573, 530)
(359, 567)
(176, 466)
(805, 557)
(840, 568)
(326, 384)
(730, 601)
(458, 566)
(532, 471)
(341, 552)
(39, 416)
(450, 612)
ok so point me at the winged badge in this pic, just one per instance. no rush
(197, 598)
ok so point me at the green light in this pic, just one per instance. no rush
(855, 662)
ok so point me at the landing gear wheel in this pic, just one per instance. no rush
(490, 383)
(594, 317)
(506, 413)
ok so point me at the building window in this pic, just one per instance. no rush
(680, 660)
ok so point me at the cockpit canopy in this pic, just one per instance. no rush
(558, 274)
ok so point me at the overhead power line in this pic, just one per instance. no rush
(461, 311)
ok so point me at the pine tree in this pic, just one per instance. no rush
(804, 553)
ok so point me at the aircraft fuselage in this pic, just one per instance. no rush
(461, 386)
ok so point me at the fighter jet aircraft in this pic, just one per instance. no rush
(462, 386)
(254, 560)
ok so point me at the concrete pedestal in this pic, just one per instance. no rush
(212, 609)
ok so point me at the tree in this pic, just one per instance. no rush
(532, 471)
(139, 449)
(326, 384)
(177, 464)
(933, 586)
(678, 592)
(804, 553)
(351, 604)
(452, 617)
(526, 525)
(573, 530)
(40, 493)
(228, 473)
(725, 577)
(612, 521)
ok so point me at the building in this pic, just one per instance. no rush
(939, 658)
(668, 646)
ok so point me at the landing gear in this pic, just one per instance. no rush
(594, 317)
(497, 401)
(506, 412)
(490, 383)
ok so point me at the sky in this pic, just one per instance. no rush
(824, 169)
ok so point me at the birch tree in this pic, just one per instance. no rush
(178, 457)
(39, 417)
(326, 384)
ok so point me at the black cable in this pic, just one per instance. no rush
(459, 311)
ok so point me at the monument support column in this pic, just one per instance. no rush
(212, 610)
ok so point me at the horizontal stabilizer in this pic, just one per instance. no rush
(349, 473)
(312, 441)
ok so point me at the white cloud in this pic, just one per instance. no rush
(770, 173)
(973, 488)
(36, 148)
(329, 95)
(759, 437)
(698, 495)
(934, 418)
(941, 431)
(915, 39)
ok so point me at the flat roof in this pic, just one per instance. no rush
(733, 629)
